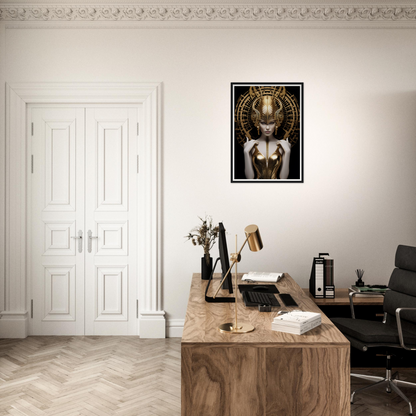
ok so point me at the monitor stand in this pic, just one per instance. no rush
(217, 299)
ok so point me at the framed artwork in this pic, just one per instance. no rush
(267, 132)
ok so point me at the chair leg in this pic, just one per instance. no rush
(383, 381)
(404, 383)
(401, 394)
(366, 377)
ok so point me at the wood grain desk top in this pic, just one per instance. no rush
(203, 318)
(342, 298)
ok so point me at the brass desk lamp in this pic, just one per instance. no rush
(255, 244)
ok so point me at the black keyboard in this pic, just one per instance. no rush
(258, 298)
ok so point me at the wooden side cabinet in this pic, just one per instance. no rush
(370, 308)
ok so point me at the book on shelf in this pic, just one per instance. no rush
(366, 291)
(296, 322)
(262, 277)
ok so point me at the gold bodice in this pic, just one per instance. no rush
(266, 169)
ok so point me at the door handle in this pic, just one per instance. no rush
(79, 238)
(90, 237)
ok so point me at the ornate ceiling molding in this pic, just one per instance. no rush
(292, 13)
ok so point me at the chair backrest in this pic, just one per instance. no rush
(402, 285)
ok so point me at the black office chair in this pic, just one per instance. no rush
(398, 329)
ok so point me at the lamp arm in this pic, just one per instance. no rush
(229, 270)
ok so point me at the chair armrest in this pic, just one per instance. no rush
(399, 327)
(352, 294)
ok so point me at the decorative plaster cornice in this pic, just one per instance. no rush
(269, 13)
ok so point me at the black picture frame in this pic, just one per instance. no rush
(296, 173)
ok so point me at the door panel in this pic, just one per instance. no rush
(60, 299)
(60, 165)
(112, 285)
(58, 241)
(112, 238)
(112, 165)
(57, 204)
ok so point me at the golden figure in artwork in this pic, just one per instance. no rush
(271, 114)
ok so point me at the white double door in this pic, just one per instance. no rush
(83, 220)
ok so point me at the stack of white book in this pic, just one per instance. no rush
(296, 322)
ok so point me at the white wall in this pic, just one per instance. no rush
(358, 199)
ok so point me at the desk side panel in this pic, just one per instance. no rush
(269, 381)
(248, 380)
(223, 381)
(326, 381)
(284, 381)
(205, 385)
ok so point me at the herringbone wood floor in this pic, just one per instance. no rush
(126, 376)
(91, 376)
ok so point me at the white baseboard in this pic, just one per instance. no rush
(14, 324)
(175, 328)
(152, 324)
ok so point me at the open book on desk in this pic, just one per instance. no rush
(262, 277)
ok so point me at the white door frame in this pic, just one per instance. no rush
(15, 316)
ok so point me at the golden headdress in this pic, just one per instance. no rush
(266, 107)
(268, 103)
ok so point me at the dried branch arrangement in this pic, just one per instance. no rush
(204, 235)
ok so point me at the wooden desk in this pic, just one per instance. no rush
(369, 308)
(265, 372)
(342, 299)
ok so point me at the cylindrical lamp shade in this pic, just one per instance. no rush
(254, 238)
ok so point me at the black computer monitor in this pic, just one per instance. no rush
(225, 265)
(225, 262)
